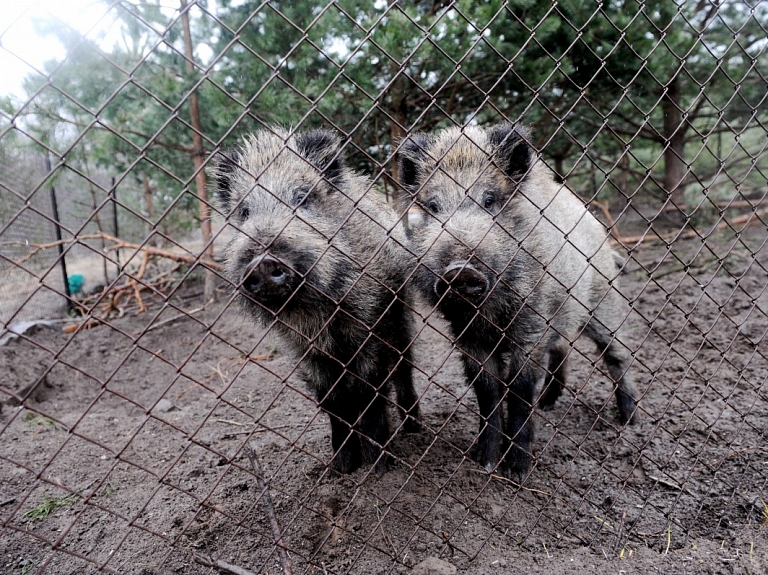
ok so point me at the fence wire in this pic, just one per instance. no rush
(233, 233)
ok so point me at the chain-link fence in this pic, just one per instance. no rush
(434, 211)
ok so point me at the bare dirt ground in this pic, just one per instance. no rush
(134, 438)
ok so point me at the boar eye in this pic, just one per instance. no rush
(433, 206)
(243, 213)
(299, 197)
(488, 201)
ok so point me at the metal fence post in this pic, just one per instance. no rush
(113, 194)
(57, 227)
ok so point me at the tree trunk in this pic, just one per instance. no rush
(198, 157)
(397, 108)
(559, 168)
(674, 144)
(149, 207)
(624, 174)
(397, 132)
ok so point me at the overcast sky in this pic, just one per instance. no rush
(22, 49)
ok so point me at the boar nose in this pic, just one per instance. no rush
(463, 279)
(267, 277)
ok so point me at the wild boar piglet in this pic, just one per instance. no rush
(519, 267)
(318, 256)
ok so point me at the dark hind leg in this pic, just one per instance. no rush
(554, 381)
(402, 376)
(407, 399)
(373, 427)
(617, 360)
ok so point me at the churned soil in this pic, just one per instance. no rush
(128, 453)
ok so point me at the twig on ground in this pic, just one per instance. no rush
(732, 454)
(700, 265)
(604, 523)
(135, 282)
(218, 371)
(285, 561)
(231, 422)
(670, 484)
(173, 319)
(220, 565)
(618, 534)
(447, 541)
(381, 528)
(87, 324)
(507, 480)
(233, 434)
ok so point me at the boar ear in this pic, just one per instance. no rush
(323, 149)
(222, 171)
(413, 152)
(512, 152)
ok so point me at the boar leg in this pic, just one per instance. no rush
(346, 445)
(617, 360)
(336, 398)
(402, 376)
(407, 400)
(394, 331)
(519, 408)
(489, 393)
(373, 426)
(554, 381)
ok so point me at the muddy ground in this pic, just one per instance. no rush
(134, 439)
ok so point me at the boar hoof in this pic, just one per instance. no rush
(627, 408)
(345, 461)
(411, 425)
(382, 465)
(488, 458)
(517, 464)
(550, 395)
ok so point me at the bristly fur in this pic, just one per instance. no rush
(486, 203)
(292, 197)
(222, 171)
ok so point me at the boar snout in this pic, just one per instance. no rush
(267, 278)
(463, 279)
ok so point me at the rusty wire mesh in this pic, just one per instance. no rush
(148, 426)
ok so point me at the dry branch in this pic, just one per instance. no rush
(87, 324)
(182, 315)
(135, 282)
(671, 485)
(635, 241)
(603, 207)
(285, 561)
(220, 565)
(117, 244)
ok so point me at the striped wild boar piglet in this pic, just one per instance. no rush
(519, 267)
(318, 257)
